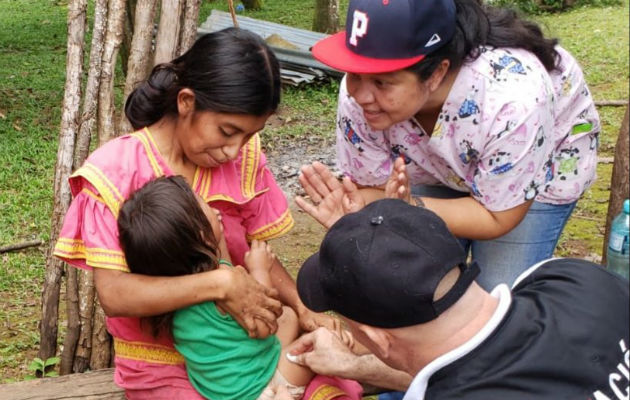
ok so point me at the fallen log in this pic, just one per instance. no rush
(95, 385)
(612, 103)
(20, 246)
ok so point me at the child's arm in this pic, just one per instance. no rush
(259, 260)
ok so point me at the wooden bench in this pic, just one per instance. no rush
(94, 385)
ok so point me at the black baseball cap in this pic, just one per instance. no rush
(381, 266)
(388, 35)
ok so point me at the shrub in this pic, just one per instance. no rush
(541, 6)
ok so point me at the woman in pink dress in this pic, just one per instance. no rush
(197, 116)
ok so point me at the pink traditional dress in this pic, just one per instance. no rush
(252, 207)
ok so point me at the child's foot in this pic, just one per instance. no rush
(259, 257)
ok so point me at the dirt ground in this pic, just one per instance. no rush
(304, 239)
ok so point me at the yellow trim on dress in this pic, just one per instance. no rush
(277, 228)
(93, 195)
(109, 192)
(94, 256)
(251, 159)
(144, 136)
(149, 352)
(206, 181)
(105, 258)
(69, 248)
(326, 392)
(195, 181)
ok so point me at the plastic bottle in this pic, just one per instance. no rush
(617, 255)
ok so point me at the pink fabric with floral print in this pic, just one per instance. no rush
(508, 132)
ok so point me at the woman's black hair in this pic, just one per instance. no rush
(164, 232)
(480, 26)
(230, 71)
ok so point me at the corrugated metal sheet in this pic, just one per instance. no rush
(297, 65)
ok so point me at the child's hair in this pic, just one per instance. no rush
(164, 232)
(230, 71)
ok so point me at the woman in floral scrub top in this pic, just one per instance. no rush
(491, 124)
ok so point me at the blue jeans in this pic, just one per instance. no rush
(391, 396)
(503, 259)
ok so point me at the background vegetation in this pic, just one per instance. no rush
(32, 74)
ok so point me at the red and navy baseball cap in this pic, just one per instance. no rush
(387, 35)
(381, 266)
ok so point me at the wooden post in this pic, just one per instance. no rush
(86, 295)
(189, 26)
(90, 98)
(113, 37)
(140, 52)
(167, 40)
(102, 353)
(619, 182)
(69, 125)
(74, 325)
(326, 17)
(128, 29)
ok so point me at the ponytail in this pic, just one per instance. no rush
(483, 25)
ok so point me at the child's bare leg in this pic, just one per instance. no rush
(288, 326)
(288, 330)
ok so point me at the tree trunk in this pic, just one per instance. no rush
(326, 17)
(101, 341)
(619, 182)
(189, 26)
(167, 40)
(113, 37)
(139, 55)
(90, 98)
(67, 134)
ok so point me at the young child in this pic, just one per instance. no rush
(166, 230)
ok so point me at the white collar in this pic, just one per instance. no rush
(419, 384)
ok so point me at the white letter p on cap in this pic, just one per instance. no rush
(359, 26)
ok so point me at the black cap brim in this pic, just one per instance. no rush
(309, 285)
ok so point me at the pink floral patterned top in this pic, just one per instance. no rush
(508, 132)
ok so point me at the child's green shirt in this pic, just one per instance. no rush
(222, 361)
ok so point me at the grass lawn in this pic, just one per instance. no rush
(32, 73)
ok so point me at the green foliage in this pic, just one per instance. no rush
(253, 4)
(542, 6)
(42, 369)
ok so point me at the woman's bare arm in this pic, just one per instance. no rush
(133, 295)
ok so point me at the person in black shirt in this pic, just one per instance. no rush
(402, 283)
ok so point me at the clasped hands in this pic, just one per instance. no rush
(331, 199)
